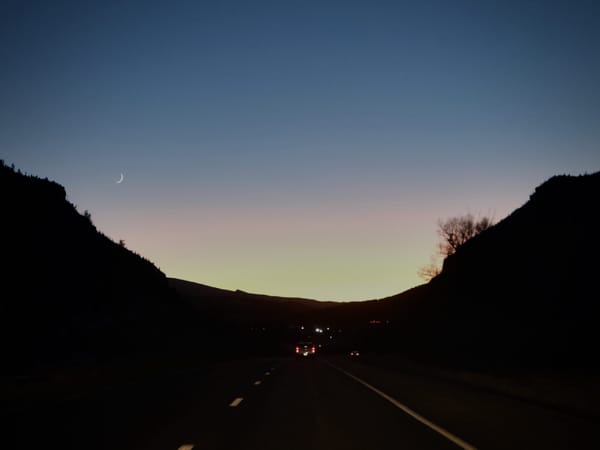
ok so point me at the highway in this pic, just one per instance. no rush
(327, 403)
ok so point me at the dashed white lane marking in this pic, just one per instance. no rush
(236, 402)
(186, 447)
(267, 373)
(456, 440)
(256, 383)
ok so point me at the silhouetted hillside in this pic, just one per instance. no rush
(243, 323)
(244, 308)
(71, 295)
(68, 292)
(524, 291)
(532, 280)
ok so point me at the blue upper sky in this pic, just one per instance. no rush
(298, 147)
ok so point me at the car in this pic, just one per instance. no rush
(305, 349)
(354, 354)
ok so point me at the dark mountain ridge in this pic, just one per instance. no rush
(70, 295)
(532, 279)
(525, 291)
(68, 291)
(242, 307)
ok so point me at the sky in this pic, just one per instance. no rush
(298, 148)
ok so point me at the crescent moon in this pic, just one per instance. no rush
(121, 179)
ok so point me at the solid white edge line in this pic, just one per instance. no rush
(236, 402)
(455, 439)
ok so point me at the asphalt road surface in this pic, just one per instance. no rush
(327, 403)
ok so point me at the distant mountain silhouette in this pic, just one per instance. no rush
(241, 323)
(240, 307)
(525, 291)
(69, 293)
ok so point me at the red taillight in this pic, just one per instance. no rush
(297, 349)
(312, 349)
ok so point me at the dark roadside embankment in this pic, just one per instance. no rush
(575, 392)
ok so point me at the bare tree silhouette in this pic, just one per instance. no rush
(431, 270)
(454, 232)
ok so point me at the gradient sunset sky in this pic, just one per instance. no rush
(298, 148)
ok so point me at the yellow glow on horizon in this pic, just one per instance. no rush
(340, 255)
